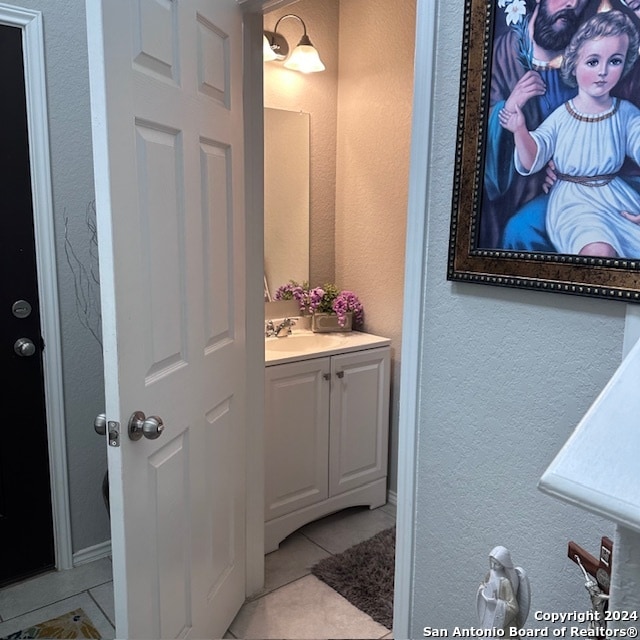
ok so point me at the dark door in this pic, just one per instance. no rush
(26, 524)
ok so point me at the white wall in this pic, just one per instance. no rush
(375, 93)
(505, 375)
(72, 185)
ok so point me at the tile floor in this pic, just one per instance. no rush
(293, 603)
(88, 586)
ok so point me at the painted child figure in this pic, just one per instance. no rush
(592, 211)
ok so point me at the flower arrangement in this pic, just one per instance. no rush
(325, 299)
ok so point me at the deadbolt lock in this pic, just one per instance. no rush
(21, 309)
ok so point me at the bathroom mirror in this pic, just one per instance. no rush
(286, 197)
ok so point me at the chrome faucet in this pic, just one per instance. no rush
(281, 330)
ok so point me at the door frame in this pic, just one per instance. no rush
(253, 103)
(254, 247)
(30, 22)
(415, 318)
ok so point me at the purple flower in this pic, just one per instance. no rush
(294, 291)
(348, 301)
(325, 299)
(315, 299)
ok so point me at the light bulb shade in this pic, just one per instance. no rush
(268, 54)
(305, 59)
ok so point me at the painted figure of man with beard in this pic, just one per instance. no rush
(526, 72)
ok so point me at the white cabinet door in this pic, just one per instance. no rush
(359, 418)
(297, 435)
(166, 102)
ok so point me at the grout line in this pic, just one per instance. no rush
(104, 613)
(40, 607)
(270, 591)
(333, 553)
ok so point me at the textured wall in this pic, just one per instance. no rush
(374, 132)
(506, 375)
(72, 179)
(315, 94)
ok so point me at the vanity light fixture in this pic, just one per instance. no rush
(304, 57)
(268, 54)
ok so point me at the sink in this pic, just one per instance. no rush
(302, 342)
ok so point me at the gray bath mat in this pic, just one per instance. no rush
(363, 575)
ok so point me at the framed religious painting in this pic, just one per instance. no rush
(546, 190)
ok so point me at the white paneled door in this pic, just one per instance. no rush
(166, 107)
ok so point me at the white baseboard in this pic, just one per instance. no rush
(90, 554)
(392, 498)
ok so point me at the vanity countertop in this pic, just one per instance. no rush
(305, 345)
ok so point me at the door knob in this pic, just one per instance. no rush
(139, 425)
(100, 424)
(24, 347)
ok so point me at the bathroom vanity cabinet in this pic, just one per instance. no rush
(326, 439)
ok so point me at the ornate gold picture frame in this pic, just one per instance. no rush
(484, 247)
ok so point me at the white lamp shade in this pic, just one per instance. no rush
(305, 59)
(268, 54)
(597, 468)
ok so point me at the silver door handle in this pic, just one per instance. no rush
(100, 424)
(139, 425)
(24, 347)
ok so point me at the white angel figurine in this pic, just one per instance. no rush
(503, 599)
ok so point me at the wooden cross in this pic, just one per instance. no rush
(599, 569)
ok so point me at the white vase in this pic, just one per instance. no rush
(326, 322)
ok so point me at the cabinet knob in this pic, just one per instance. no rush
(340, 374)
(326, 376)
